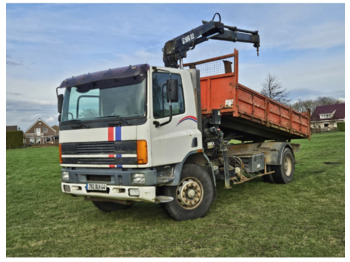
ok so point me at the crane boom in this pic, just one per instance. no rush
(176, 49)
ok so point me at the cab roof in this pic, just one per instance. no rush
(115, 73)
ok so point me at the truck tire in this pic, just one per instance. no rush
(111, 206)
(193, 196)
(284, 173)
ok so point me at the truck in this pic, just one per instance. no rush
(170, 134)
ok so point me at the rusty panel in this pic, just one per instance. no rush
(274, 113)
(259, 107)
(221, 89)
(285, 117)
(216, 90)
(296, 122)
(244, 102)
(250, 105)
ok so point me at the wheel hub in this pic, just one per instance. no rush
(189, 193)
(287, 166)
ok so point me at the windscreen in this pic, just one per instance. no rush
(116, 98)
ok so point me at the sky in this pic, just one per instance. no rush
(302, 44)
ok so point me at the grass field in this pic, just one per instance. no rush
(305, 218)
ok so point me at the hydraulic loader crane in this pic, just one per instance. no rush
(176, 49)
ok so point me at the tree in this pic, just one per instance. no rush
(304, 105)
(273, 89)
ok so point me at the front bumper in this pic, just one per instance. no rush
(132, 193)
(120, 184)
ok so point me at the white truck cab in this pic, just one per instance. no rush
(122, 137)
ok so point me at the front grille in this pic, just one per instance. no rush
(93, 148)
(101, 161)
(113, 147)
(112, 150)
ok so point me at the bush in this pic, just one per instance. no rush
(341, 126)
(14, 139)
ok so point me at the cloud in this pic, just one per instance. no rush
(24, 113)
(307, 76)
(11, 62)
(320, 36)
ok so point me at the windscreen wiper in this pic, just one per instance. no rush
(76, 121)
(117, 119)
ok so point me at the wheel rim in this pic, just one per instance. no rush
(287, 166)
(189, 193)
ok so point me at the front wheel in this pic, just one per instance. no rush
(192, 196)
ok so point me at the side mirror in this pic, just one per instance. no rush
(172, 90)
(59, 103)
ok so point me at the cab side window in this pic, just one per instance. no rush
(160, 103)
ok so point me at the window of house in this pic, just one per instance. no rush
(327, 115)
(326, 125)
(45, 129)
(160, 103)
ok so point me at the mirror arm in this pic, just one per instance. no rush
(157, 124)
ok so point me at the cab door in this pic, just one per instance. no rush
(172, 141)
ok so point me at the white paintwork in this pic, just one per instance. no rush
(147, 193)
(95, 134)
(172, 142)
(168, 144)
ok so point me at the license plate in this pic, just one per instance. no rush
(96, 187)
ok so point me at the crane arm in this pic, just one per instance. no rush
(176, 49)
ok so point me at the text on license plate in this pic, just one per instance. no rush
(96, 187)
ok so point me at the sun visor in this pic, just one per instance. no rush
(107, 78)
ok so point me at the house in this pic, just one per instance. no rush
(40, 133)
(57, 129)
(325, 118)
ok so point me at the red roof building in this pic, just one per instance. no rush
(325, 118)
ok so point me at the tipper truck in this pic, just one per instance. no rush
(166, 134)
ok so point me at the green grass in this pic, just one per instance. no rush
(305, 218)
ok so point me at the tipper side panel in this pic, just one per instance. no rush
(217, 92)
(260, 109)
(246, 111)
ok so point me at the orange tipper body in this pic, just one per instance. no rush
(241, 106)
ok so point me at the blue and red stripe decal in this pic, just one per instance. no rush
(115, 134)
(193, 118)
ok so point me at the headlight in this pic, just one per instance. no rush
(65, 176)
(138, 179)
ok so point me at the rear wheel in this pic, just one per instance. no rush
(106, 206)
(285, 172)
(193, 196)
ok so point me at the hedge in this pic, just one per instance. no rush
(341, 126)
(14, 139)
